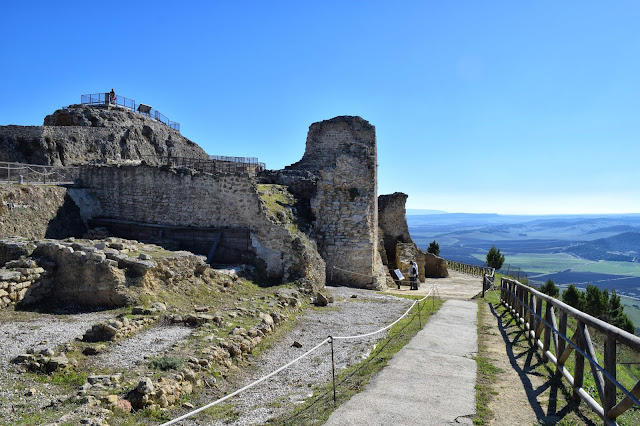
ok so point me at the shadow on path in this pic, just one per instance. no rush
(536, 376)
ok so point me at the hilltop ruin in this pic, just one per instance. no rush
(314, 222)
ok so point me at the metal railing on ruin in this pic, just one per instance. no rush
(560, 331)
(37, 174)
(213, 164)
(107, 99)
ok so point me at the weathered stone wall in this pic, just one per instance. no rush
(167, 196)
(393, 223)
(342, 154)
(81, 133)
(35, 211)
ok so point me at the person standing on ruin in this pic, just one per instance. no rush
(413, 275)
(112, 97)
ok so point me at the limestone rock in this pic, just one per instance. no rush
(321, 299)
(435, 267)
(145, 386)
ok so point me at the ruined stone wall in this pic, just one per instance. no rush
(342, 154)
(38, 211)
(166, 196)
(393, 223)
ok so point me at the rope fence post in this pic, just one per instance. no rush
(419, 314)
(333, 370)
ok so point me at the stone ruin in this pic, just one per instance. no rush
(317, 221)
(397, 248)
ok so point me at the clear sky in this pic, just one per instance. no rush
(525, 107)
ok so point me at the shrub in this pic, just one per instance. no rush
(165, 363)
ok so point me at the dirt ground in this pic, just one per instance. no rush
(526, 391)
(456, 286)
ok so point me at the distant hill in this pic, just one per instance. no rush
(414, 212)
(622, 247)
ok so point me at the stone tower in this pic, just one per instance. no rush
(342, 154)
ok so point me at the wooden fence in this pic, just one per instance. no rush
(545, 321)
(470, 269)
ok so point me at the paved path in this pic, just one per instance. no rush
(431, 381)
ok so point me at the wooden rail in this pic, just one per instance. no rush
(469, 269)
(545, 322)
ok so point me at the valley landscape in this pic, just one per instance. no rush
(602, 250)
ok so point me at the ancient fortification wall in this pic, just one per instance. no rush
(335, 184)
(166, 196)
(37, 212)
(342, 154)
(79, 134)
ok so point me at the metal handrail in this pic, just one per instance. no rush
(105, 99)
(213, 164)
(36, 174)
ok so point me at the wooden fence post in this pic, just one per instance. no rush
(578, 373)
(610, 365)
(547, 332)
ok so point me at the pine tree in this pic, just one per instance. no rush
(494, 258)
(573, 297)
(596, 302)
(550, 288)
(433, 248)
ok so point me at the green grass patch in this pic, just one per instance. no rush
(316, 409)
(487, 373)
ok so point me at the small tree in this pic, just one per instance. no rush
(550, 288)
(494, 258)
(433, 248)
(573, 297)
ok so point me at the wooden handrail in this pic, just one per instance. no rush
(469, 269)
(525, 303)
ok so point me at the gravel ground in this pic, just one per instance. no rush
(132, 351)
(18, 333)
(277, 395)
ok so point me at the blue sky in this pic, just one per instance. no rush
(479, 106)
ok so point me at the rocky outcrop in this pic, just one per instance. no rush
(79, 134)
(108, 273)
(434, 266)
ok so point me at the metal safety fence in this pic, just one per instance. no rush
(37, 174)
(213, 164)
(108, 99)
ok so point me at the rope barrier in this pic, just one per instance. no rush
(387, 327)
(328, 339)
(250, 385)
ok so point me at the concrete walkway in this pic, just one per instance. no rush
(431, 381)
